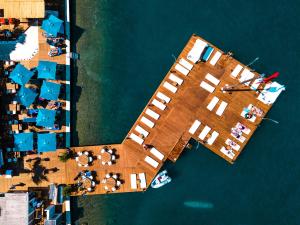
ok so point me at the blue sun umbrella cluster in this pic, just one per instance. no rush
(50, 90)
(46, 142)
(46, 118)
(23, 142)
(26, 96)
(53, 26)
(46, 70)
(20, 74)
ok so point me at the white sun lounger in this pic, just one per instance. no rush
(157, 153)
(212, 79)
(163, 97)
(181, 69)
(148, 122)
(153, 114)
(229, 153)
(133, 181)
(221, 108)
(246, 75)
(159, 104)
(246, 130)
(176, 79)
(207, 87)
(212, 103)
(151, 162)
(141, 131)
(143, 183)
(136, 138)
(236, 70)
(186, 64)
(240, 139)
(215, 58)
(170, 87)
(204, 132)
(213, 137)
(256, 83)
(194, 127)
(195, 53)
(233, 145)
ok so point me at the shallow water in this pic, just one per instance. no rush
(126, 48)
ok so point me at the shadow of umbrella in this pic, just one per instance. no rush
(38, 173)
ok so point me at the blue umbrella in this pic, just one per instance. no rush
(50, 90)
(45, 118)
(23, 141)
(46, 70)
(1, 159)
(20, 74)
(53, 26)
(26, 96)
(46, 142)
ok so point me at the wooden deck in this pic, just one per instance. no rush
(170, 133)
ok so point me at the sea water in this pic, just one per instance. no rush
(126, 48)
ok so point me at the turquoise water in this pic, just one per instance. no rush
(126, 49)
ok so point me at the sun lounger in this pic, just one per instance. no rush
(159, 104)
(133, 181)
(151, 162)
(212, 103)
(204, 132)
(170, 87)
(141, 131)
(194, 127)
(228, 153)
(152, 114)
(213, 137)
(136, 138)
(181, 69)
(240, 139)
(256, 83)
(208, 51)
(212, 79)
(157, 153)
(163, 97)
(176, 79)
(246, 130)
(236, 70)
(148, 122)
(215, 58)
(143, 183)
(232, 144)
(207, 87)
(196, 52)
(246, 75)
(221, 108)
(186, 64)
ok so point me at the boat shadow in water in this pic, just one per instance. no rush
(198, 204)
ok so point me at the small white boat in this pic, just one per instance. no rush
(161, 179)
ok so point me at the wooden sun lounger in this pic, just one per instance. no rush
(151, 162)
(221, 108)
(170, 87)
(136, 138)
(186, 64)
(212, 79)
(213, 137)
(133, 181)
(176, 79)
(215, 58)
(157, 153)
(143, 183)
(141, 131)
(152, 114)
(163, 97)
(194, 127)
(204, 132)
(212, 103)
(229, 154)
(148, 122)
(158, 104)
(234, 146)
(236, 70)
(207, 87)
(181, 69)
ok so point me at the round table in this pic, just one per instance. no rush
(105, 157)
(86, 183)
(110, 183)
(83, 159)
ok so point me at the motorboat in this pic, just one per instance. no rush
(161, 179)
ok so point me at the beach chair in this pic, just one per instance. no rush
(176, 79)
(246, 130)
(221, 108)
(246, 75)
(240, 139)
(152, 114)
(207, 87)
(148, 122)
(182, 69)
(212, 79)
(232, 144)
(151, 162)
(212, 103)
(256, 83)
(196, 52)
(158, 104)
(136, 138)
(228, 153)
(236, 70)
(141, 131)
(163, 97)
(204, 132)
(194, 127)
(170, 87)
(157, 153)
(213, 137)
(142, 178)
(133, 181)
(186, 64)
(208, 51)
(215, 58)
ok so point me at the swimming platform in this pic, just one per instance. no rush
(190, 103)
